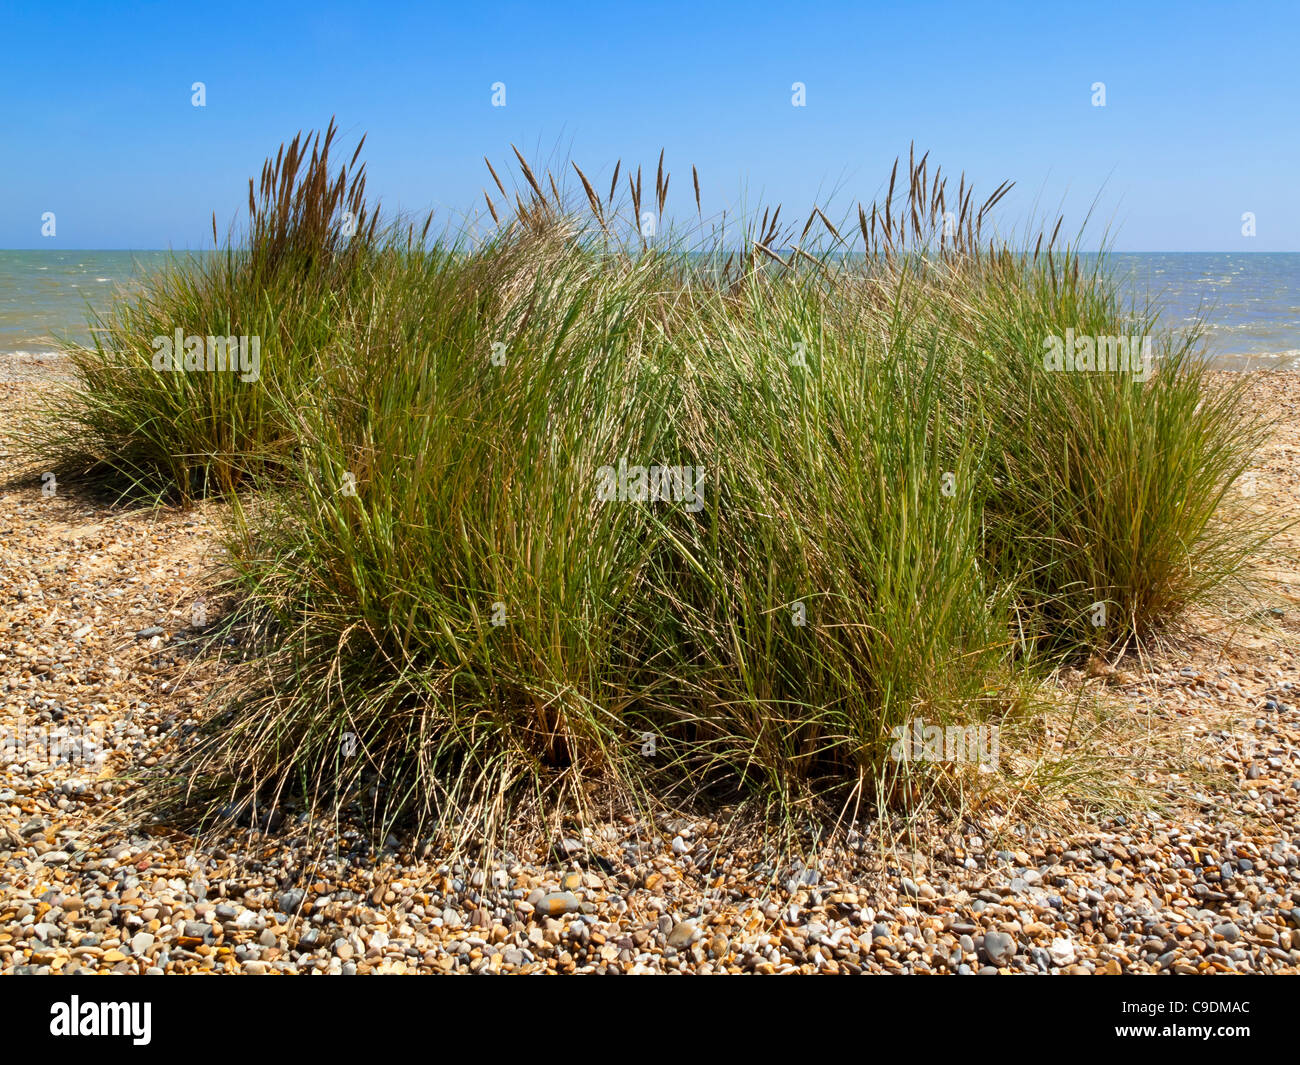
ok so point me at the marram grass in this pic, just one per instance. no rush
(575, 504)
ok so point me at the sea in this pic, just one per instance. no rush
(1249, 302)
(48, 298)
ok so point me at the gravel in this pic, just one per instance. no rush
(1204, 878)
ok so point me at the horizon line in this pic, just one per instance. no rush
(1093, 251)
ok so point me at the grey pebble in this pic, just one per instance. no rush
(999, 948)
(1228, 930)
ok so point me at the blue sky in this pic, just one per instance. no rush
(1200, 123)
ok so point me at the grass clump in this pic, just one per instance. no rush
(284, 285)
(577, 505)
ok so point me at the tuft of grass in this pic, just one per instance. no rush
(290, 281)
(902, 514)
(1113, 501)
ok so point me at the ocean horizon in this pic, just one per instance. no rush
(1249, 301)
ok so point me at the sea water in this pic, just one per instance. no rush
(1249, 302)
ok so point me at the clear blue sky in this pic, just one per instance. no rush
(1201, 120)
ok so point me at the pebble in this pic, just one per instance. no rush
(1228, 931)
(999, 948)
(556, 903)
(683, 934)
(1061, 952)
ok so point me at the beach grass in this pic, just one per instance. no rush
(876, 502)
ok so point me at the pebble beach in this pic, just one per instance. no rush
(98, 659)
